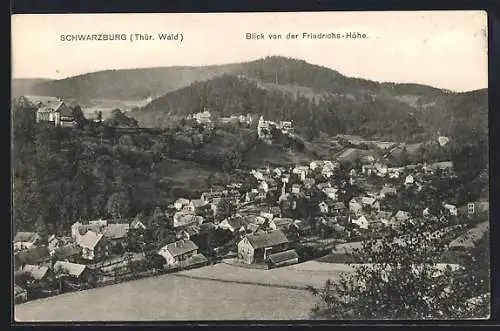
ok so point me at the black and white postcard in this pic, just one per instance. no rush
(250, 166)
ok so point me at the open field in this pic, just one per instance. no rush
(106, 106)
(169, 297)
(311, 273)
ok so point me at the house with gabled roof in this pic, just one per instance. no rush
(281, 259)
(370, 202)
(74, 274)
(116, 234)
(20, 294)
(234, 224)
(281, 223)
(137, 224)
(336, 206)
(26, 240)
(182, 219)
(361, 221)
(37, 272)
(56, 112)
(176, 252)
(256, 248)
(331, 193)
(180, 203)
(451, 209)
(401, 217)
(355, 206)
(94, 246)
(39, 255)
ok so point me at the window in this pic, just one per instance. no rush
(470, 208)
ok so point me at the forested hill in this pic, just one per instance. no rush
(131, 84)
(22, 86)
(378, 118)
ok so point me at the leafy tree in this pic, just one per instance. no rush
(79, 117)
(118, 205)
(41, 228)
(403, 281)
(225, 208)
(126, 141)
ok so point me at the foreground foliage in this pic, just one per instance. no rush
(403, 279)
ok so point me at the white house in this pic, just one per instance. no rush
(26, 240)
(202, 117)
(296, 188)
(94, 246)
(402, 216)
(362, 222)
(184, 219)
(176, 252)
(452, 209)
(367, 169)
(277, 172)
(323, 207)
(409, 180)
(381, 169)
(263, 186)
(301, 172)
(331, 193)
(316, 165)
(257, 174)
(443, 141)
(180, 203)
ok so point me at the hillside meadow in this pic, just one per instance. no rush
(169, 298)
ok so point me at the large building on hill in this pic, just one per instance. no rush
(203, 117)
(53, 110)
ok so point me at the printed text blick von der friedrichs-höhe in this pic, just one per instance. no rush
(305, 35)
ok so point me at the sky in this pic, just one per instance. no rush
(444, 49)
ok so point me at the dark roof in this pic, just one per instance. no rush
(282, 221)
(338, 205)
(196, 259)
(268, 239)
(207, 226)
(237, 222)
(18, 290)
(33, 255)
(35, 271)
(72, 269)
(181, 247)
(64, 252)
(65, 110)
(26, 237)
(116, 230)
(283, 256)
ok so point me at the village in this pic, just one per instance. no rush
(287, 215)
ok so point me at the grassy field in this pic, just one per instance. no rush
(311, 273)
(169, 297)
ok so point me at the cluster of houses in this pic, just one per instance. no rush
(262, 233)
